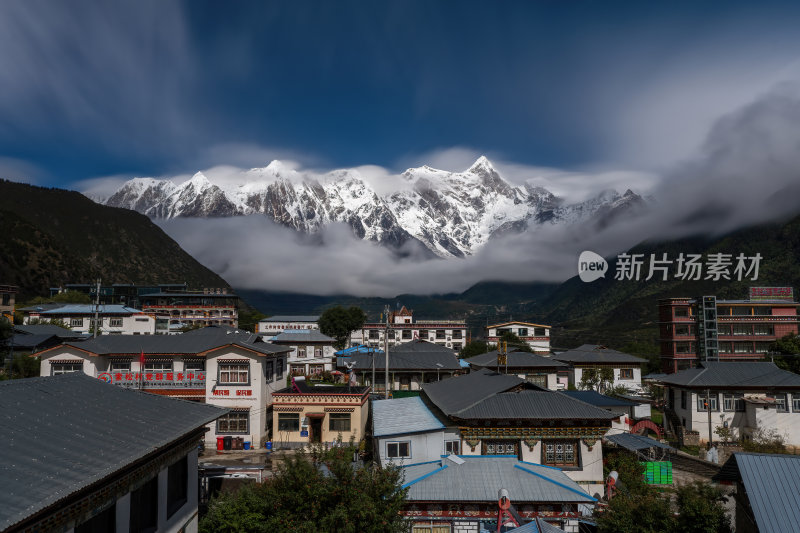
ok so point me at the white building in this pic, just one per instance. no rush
(238, 371)
(744, 397)
(406, 432)
(114, 319)
(533, 368)
(537, 336)
(275, 325)
(82, 456)
(402, 329)
(627, 369)
(312, 352)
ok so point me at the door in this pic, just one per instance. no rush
(316, 430)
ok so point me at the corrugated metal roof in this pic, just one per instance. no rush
(634, 443)
(516, 359)
(480, 477)
(89, 309)
(48, 329)
(594, 353)
(292, 318)
(31, 342)
(301, 335)
(772, 485)
(408, 359)
(61, 434)
(174, 344)
(598, 400)
(533, 404)
(461, 392)
(401, 416)
(734, 374)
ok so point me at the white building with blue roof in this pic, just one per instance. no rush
(406, 432)
(113, 319)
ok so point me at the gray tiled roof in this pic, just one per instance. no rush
(419, 356)
(594, 353)
(31, 342)
(734, 374)
(516, 360)
(61, 434)
(49, 329)
(292, 318)
(480, 477)
(772, 485)
(456, 394)
(598, 400)
(402, 416)
(300, 336)
(174, 344)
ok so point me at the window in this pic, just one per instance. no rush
(144, 508)
(316, 369)
(742, 329)
(440, 334)
(268, 371)
(177, 485)
(100, 523)
(339, 421)
(398, 449)
(288, 422)
(279, 368)
(433, 527)
(702, 399)
(499, 447)
(391, 334)
(233, 422)
(684, 347)
(195, 364)
(457, 346)
(6, 299)
(560, 453)
(682, 329)
(317, 351)
(452, 447)
(457, 334)
(733, 402)
(725, 347)
(120, 366)
(158, 366)
(796, 403)
(780, 403)
(406, 334)
(423, 334)
(540, 332)
(234, 373)
(765, 329)
(625, 373)
(301, 352)
(762, 347)
(373, 334)
(65, 368)
(115, 322)
(76, 322)
(742, 347)
(540, 380)
(681, 312)
(724, 329)
(684, 396)
(522, 332)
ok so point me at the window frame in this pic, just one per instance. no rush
(339, 417)
(785, 402)
(713, 400)
(137, 522)
(576, 453)
(76, 322)
(292, 417)
(177, 485)
(735, 400)
(626, 374)
(450, 443)
(398, 444)
(795, 403)
(115, 322)
(227, 366)
(269, 371)
(54, 365)
(228, 418)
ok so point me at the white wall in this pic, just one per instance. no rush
(634, 385)
(327, 359)
(139, 324)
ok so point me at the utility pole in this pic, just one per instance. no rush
(373, 368)
(96, 309)
(708, 399)
(386, 349)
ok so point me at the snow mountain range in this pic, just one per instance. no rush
(452, 214)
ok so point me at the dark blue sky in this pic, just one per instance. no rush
(93, 89)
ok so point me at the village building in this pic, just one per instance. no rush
(275, 325)
(410, 365)
(304, 413)
(405, 431)
(625, 411)
(402, 328)
(741, 398)
(462, 494)
(627, 369)
(537, 336)
(533, 368)
(693, 330)
(767, 495)
(211, 307)
(81, 456)
(238, 371)
(32, 338)
(500, 414)
(7, 300)
(119, 293)
(312, 352)
(80, 318)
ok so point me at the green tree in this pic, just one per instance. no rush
(248, 318)
(22, 366)
(701, 510)
(642, 513)
(513, 342)
(762, 441)
(597, 379)
(51, 322)
(314, 491)
(789, 348)
(339, 323)
(471, 349)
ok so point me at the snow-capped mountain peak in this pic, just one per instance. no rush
(450, 213)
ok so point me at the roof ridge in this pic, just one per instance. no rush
(553, 481)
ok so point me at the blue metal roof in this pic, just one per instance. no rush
(402, 416)
(772, 485)
(634, 443)
(361, 348)
(89, 309)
